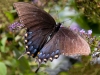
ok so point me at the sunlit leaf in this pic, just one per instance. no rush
(9, 16)
(3, 42)
(3, 69)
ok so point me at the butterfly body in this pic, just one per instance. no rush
(46, 39)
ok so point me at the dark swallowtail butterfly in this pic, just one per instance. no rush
(45, 39)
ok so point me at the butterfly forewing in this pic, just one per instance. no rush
(31, 13)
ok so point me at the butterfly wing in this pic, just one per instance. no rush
(39, 25)
(66, 42)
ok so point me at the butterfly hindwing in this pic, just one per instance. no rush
(66, 42)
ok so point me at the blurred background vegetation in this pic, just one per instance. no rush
(86, 13)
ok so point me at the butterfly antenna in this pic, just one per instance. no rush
(22, 55)
(64, 21)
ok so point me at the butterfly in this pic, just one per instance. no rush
(45, 40)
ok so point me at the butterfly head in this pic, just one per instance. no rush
(58, 26)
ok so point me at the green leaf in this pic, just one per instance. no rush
(3, 69)
(23, 63)
(9, 16)
(3, 42)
